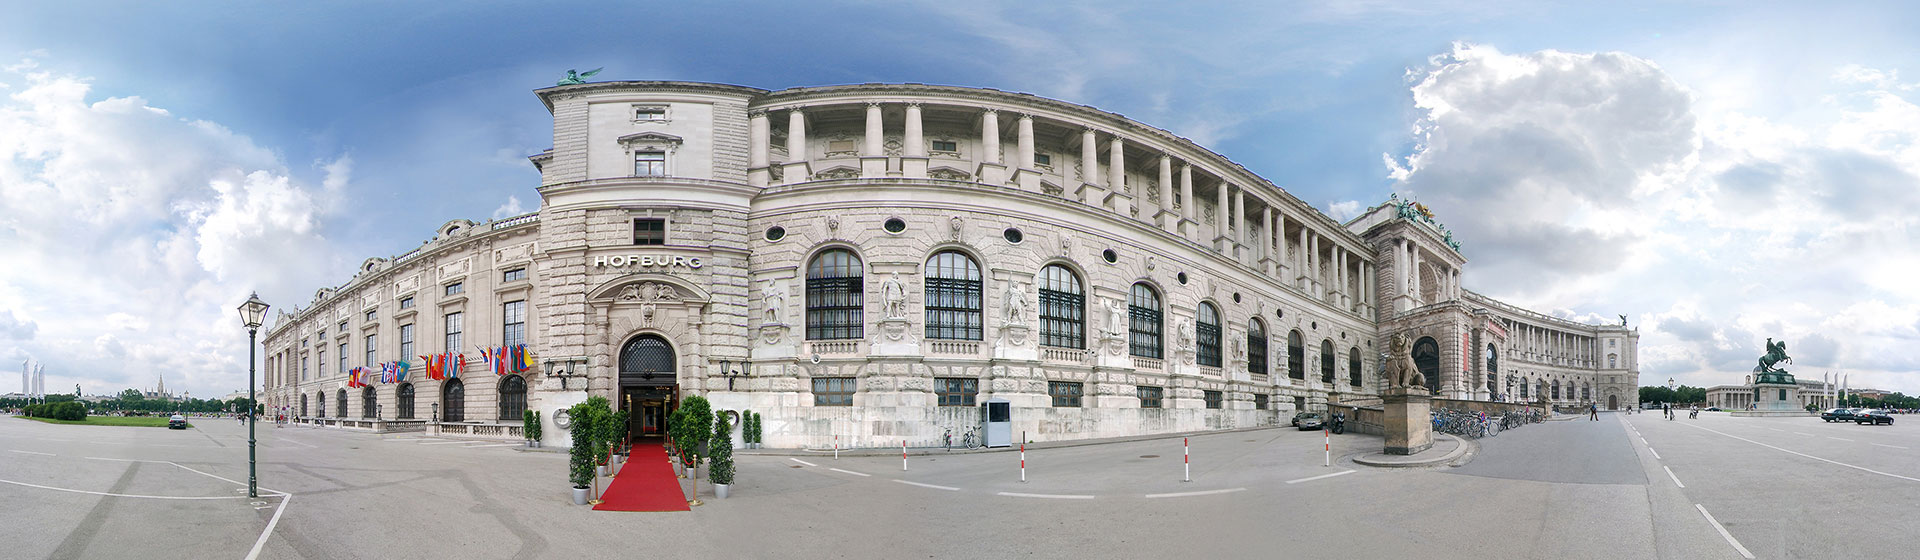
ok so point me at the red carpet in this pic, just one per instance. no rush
(646, 483)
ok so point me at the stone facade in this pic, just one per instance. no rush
(685, 217)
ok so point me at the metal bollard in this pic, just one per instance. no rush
(1186, 461)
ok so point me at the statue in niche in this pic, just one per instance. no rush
(1016, 303)
(893, 294)
(775, 298)
(1183, 332)
(1116, 317)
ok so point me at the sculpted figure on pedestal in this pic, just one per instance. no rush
(1016, 304)
(894, 293)
(1116, 318)
(775, 298)
(1401, 372)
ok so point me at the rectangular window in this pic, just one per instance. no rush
(406, 302)
(406, 341)
(453, 332)
(343, 327)
(322, 335)
(1610, 342)
(371, 346)
(833, 391)
(649, 164)
(303, 368)
(1259, 402)
(456, 288)
(514, 275)
(343, 358)
(945, 146)
(649, 113)
(373, 314)
(1064, 393)
(1213, 398)
(957, 391)
(1042, 159)
(1150, 396)
(649, 231)
(514, 323)
(320, 357)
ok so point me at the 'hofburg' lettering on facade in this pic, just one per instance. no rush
(647, 260)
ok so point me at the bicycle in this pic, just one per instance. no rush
(970, 440)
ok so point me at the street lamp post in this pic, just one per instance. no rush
(251, 313)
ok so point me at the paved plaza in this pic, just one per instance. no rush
(1628, 486)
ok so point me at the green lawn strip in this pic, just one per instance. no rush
(138, 421)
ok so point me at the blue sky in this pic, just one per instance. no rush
(1720, 171)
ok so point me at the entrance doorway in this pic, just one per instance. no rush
(649, 385)
(1613, 402)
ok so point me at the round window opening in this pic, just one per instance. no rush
(1280, 313)
(1236, 297)
(776, 233)
(895, 225)
(1013, 235)
(1182, 277)
(1110, 256)
(1314, 325)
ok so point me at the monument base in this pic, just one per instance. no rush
(1408, 420)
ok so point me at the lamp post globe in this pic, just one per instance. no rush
(251, 314)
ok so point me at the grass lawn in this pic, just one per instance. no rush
(143, 421)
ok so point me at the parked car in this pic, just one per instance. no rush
(1713, 409)
(1872, 416)
(1836, 415)
(176, 422)
(1298, 415)
(1308, 420)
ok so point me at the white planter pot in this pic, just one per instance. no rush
(603, 470)
(720, 490)
(580, 496)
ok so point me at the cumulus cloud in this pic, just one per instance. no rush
(157, 222)
(511, 208)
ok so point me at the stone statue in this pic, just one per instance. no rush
(1183, 335)
(1401, 372)
(1623, 320)
(577, 78)
(1776, 353)
(1016, 303)
(893, 294)
(775, 297)
(1116, 318)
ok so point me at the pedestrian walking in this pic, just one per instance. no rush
(1595, 410)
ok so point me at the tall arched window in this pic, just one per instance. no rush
(303, 404)
(1586, 392)
(342, 401)
(1143, 307)
(1613, 361)
(953, 296)
(405, 398)
(1556, 389)
(1207, 335)
(1256, 347)
(454, 394)
(513, 397)
(369, 403)
(1063, 308)
(834, 290)
(1326, 361)
(1353, 366)
(1523, 389)
(1426, 358)
(1296, 356)
(320, 409)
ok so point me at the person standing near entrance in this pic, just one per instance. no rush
(1594, 409)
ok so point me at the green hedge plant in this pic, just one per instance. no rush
(692, 428)
(580, 456)
(721, 465)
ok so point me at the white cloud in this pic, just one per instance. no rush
(17, 328)
(511, 208)
(1343, 211)
(128, 212)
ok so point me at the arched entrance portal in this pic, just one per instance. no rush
(1613, 402)
(1426, 358)
(648, 384)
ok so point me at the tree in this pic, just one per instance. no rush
(580, 456)
(721, 469)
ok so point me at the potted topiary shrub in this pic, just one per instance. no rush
(620, 433)
(530, 427)
(757, 442)
(599, 409)
(580, 456)
(720, 465)
(746, 428)
(690, 434)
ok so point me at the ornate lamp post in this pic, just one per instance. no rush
(726, 369)
(251, 313)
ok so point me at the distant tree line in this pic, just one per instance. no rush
(132, 400)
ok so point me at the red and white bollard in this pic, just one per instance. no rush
(836, 447)
(1186, 461)
(1329, 436)
(903, 455)
(1023, 462)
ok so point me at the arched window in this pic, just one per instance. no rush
(342, 401)
(1143, 307)
(320, 408)
(1586, 392)
(1523, 389)
(369, 403)
(834, 290)
(1296, 356)
(648, 360)
(405, 398)
(1353, 366)
(303, 404)
(1426, 358)
(1207, 335)
(953, 296)
(1063, 308)
(513, 397)
(454, 394)
(1326, 361)
(1556, 389)
(1613, 361)
(1256, 347)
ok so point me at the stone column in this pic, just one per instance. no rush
(1300, 274)
(1240, 233)
(758, 136)
(1419, 287)
(913, 159)
(1188, 207)
(796, 169)
(1028, 175)
(1164, 217)
(1340, 264)
(1319, 286)
(1221, 223)
(991, 171)
(873, 157)
(1117, 177)
(1266, 239)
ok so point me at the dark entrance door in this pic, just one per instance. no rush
(1426, 357)
(648, 384)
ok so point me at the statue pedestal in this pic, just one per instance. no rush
(893, 339)
(1408, 422)
(1012, 344)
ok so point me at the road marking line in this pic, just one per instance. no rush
(925, 485)
(445, 442)
(30, 485)
(849, 472)
(1724, 533)
(30, 452)
(126, 460)
(1892, 446)
(1803, 434)
(1776, 429)
(1643, 441)
(297, 442)
(255, 553)
(1656, 454)
(1053, 496)
(1809, 456)
(270, 491)
(802, 462)
(1311, 478)
(490, 445)
(1676, 480)
(1838, 438)
(1200, 493)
